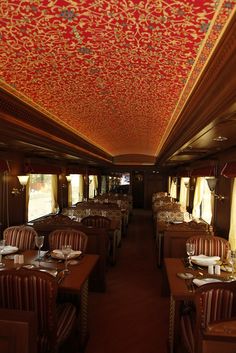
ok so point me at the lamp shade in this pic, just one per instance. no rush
(23, 179)
(68, 177)
(212, 183)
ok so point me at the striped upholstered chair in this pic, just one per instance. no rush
(96, 222)
(210, 245)
(76, 238)
(35, 291)
(211, 328)
(21, 236)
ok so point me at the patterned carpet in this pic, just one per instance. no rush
(131, 316)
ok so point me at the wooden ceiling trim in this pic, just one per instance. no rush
(28, 123)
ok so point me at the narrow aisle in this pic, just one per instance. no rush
(131, 316)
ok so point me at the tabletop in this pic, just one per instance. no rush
(79, 269)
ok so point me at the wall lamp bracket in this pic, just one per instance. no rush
(23, 180)
(212, 186)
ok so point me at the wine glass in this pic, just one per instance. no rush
(66, 250)
(2, 246)
(190, 249)
(39, 240)
(231, 258)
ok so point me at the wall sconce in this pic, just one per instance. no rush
(23, 179)
(187, 184)
(212, 186)
(68, 178)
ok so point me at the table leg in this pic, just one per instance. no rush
(171, 324)
(83, 316)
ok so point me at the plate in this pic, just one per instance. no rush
(177, 222)
(57, 254)
(8, 249)
(201, 282)
(185, 275)
(203, 260)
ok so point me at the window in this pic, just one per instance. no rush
(184, 192)
(173, 188)
(76, 188)
(232, 231)
(202, 204)
(93, 186)
(42, 199)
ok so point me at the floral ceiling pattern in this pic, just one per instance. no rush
(117, 72)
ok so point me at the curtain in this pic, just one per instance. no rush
(184, 192)
(55, 205)
(69, 193)
(232, 229)
(81, 187)
(173, 189)
(95, 178)
(27, 196)
(198, 196)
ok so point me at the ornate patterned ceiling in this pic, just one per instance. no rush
(117, 72)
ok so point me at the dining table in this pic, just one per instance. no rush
(74, 282)
(182, 290)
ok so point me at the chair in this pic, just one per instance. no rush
(98, 221)
(212, 326)
(21, 236)
(77, 239)
(35, 291)
(210, 245)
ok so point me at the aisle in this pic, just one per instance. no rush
(131, 316)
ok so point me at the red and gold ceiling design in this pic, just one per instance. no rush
(116, 72)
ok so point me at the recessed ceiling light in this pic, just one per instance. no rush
(220, 138)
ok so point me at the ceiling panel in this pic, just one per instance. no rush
(116, 73)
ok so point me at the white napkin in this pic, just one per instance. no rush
(200, 282)
(204, 260)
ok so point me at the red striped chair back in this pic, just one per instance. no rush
(21, 236)
(214, 303)
(77, 239)
(96, 221)
(210, 245)
(32, 290)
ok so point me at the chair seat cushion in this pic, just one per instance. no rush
(66, 316)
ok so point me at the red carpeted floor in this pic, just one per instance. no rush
(131, 316)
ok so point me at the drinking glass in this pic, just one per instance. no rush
(190, 249)
(2, 245)
(66, 250)
(39, 240)
(232, 262)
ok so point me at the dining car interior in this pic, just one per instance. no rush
(117, 176)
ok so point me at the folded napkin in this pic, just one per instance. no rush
(59, 254)
(200, 282)
(9, 249)
(204, 260)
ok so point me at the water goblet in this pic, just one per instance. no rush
(66, 250)
(190, 249)
(2, 246)
(232, 262)
(39, 240)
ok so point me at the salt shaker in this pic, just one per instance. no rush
(211, 269)
(16, 259)
(217, 269)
